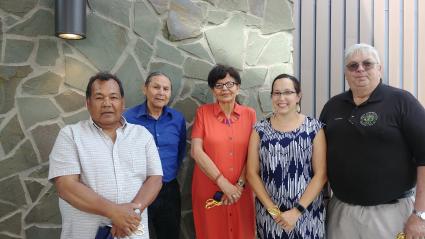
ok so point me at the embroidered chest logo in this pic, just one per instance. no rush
(368, 119)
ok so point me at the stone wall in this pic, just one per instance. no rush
(43, 78)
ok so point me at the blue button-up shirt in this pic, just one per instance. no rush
(169, 131)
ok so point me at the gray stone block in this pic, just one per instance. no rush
(146, 23)
(35, 232)
(253, 77)
(47, 52)
(10, 20)
(175, 73)
(45, 84)
(160, 6)
(11, 135)
(47, 3)
(197, 69)
(227, 42)
(184, 20)
(41, 23)
(278, 50)
(83, 115)
(255, 45)
(12, 224)
(10, 77)
(105, 44)
(233, 5)
(24, 158)
(143, 52)
(6, 209)
(11, 191)
(202, 92)
(40, 172)
(17, 50)
(278, 69)
(117, 10)
(34, 110)
(168, 52)
(132, 81)
(187, 107)
(44, 137)
(256, 7)
(17, 7)
(217, 17)
(34, 188)
(77, 73)
(46, 211)
(199, 49)
(70, 101)
(274, 20)
(265, 101)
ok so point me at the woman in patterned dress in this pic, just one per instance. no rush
(287, 168)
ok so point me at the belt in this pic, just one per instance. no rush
(405, 194)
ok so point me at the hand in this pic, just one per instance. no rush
(288, 219)
(231, 192)
(117, 232)
(124, 219)
(414, 228)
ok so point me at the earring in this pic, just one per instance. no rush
(298, 107)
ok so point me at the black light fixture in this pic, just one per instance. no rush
(70, 19)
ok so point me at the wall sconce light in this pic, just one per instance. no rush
(70, 19)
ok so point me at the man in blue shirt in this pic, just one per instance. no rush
(168, 127)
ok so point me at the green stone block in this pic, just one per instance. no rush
(11, 191)
(146, 23)
(168, 52)
(117, 10)
(46, 211)
(34, 110)
(11, 135)
(44, 137)
(47, 52)
(40, 173)
(6, 209)
(198, 49)
(17, 7)
(197, 69)
(45, 84)
(187, 107)
(143, 52)
(12, 224)
(277, 17)
(41, 23)
(17, 50)
(77, 73)
(34, 188)
(70, 101)
(42, 233)
(24, 158)
(75, 118)
(132, 81)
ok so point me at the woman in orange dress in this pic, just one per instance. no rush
(220, 138)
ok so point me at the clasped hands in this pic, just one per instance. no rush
(232, 193)
(287, 219)
(125, 221)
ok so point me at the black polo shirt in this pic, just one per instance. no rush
(373, 149)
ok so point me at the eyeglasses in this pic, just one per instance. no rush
(228, 85)
(367, 65)
(284, 93)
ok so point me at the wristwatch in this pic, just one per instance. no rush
(299, 207)
(241, 183)
(420, 214)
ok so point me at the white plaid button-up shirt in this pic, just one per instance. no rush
(116, 171)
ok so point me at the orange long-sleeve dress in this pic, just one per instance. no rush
(225, 141)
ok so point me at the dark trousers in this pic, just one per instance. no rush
(164, 213)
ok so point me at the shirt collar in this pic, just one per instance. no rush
(234, 115)
(123, 122)
(143, 111)
(377, 94)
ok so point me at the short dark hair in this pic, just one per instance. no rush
(295, 81)
(156, 73)
(219, 72)
(103, 76)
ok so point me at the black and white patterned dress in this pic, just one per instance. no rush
(286, 169)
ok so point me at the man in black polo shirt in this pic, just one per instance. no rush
(376, 155)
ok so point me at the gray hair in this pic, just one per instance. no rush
(155, 73)
(361, 48)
